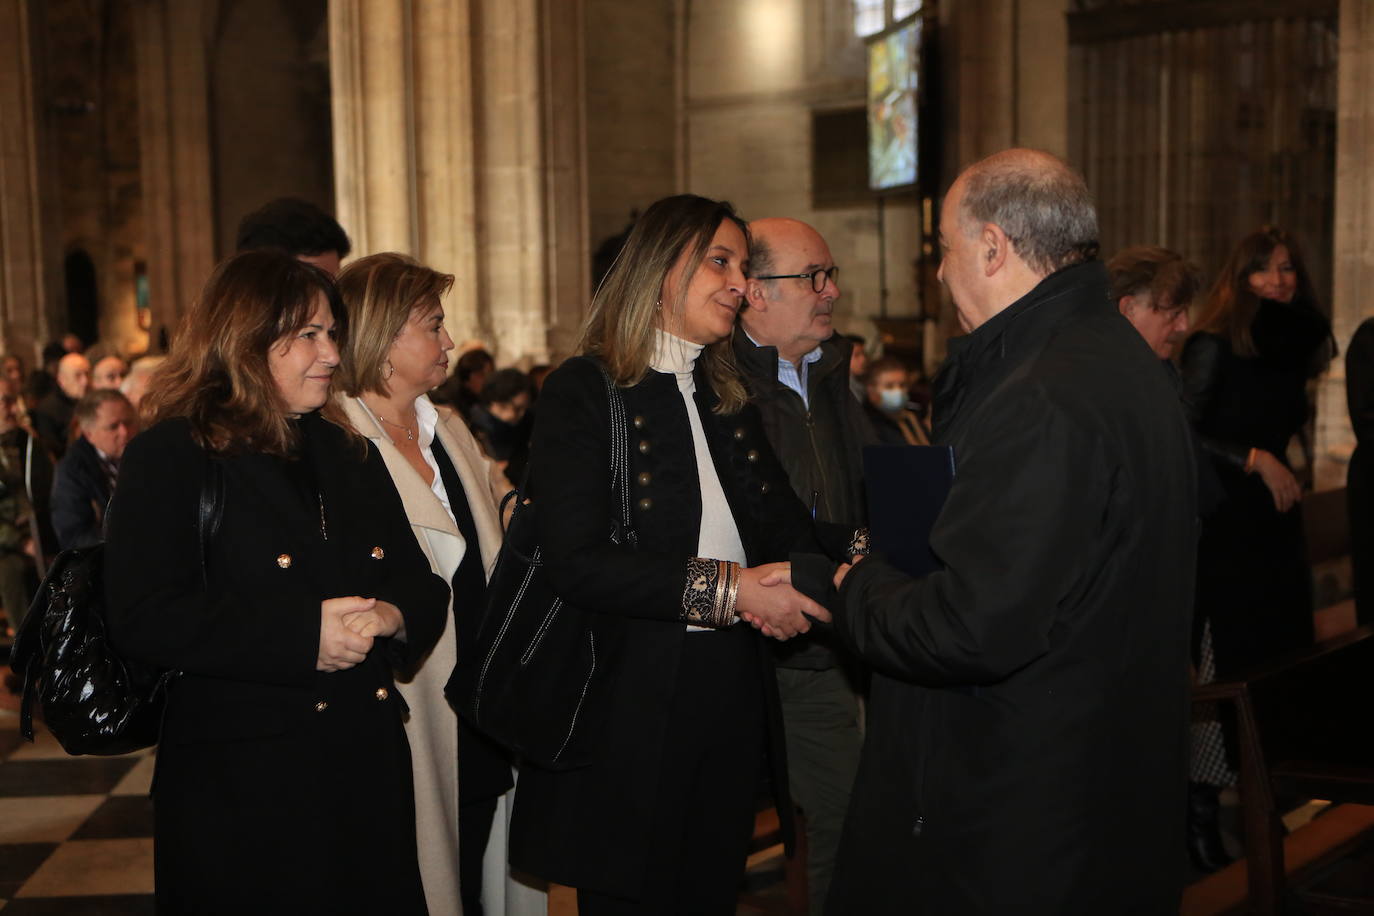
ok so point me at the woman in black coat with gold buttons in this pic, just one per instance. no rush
(283, 775)
(660, 821)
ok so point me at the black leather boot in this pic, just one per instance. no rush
(1205, 847)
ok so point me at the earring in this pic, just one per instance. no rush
(390, 371)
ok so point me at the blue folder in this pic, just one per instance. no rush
(907, 486)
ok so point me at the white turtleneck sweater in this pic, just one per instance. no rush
(718, 538)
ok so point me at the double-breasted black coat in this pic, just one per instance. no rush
(278, 788)
(1026, 734)
(587, 827)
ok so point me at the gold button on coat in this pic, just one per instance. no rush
(284, 560)
(321, 706)
(639, 422)
(753, 455)
(763, 487)
(644, 446)
(739, 434)
(646, 504)
(644, 478)
(378, 553)
(382, 693)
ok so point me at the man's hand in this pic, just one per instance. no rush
(843, 570)
(768, 602)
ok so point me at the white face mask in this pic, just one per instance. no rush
(893, 399)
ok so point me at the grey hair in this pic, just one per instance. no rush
(1042, 204)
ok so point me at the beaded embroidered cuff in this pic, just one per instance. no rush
(711, 592)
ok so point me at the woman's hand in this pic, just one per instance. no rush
(384, 619)
(1283, 486)
(768, 602)
(340, 647)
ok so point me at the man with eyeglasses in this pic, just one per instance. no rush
(797, 372)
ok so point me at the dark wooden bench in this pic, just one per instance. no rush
(1305, 730)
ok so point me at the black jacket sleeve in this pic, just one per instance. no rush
(569, 484)
(1017, 535)
(1200, 368)
(419, 594)
(158, 607)
(1359, 382)
(75, 513)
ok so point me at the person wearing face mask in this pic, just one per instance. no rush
(1245, 373)
(886, 405)
(283, 781)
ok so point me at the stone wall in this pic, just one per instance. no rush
(756, 71)
(91, 108)
(269, 114)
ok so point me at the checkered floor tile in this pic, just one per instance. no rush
(76, 833)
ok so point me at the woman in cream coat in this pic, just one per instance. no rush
(397, 351)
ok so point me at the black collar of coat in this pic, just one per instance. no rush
(760, 363)
(1029, 317)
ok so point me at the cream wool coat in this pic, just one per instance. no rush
(433, 727)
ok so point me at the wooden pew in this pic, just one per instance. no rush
(1303, 727)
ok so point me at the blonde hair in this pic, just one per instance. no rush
(619, 329)
(381, 291)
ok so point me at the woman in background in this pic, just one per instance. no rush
(283, 774)
(1245, 375)
(397, 350)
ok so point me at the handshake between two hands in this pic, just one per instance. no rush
(348, 627)
(768, 602)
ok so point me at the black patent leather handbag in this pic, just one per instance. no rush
(542, 670)
(93, 700)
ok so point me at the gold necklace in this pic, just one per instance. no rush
(410, 436)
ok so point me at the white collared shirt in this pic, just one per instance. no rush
(791, 376)
(427, 420)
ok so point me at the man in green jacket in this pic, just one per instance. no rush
(797, 371)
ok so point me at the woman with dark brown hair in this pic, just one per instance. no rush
(283, 773)
(1245, 373)
(660, 819)
(1245, 376)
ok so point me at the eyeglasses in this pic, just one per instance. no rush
(818, 278)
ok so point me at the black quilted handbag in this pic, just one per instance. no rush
(542, 670)
(92, 700)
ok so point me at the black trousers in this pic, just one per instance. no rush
(703, 813)
(474, 829)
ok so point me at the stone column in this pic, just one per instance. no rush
(568, 216)
(178, 202)
(30, 278)
(511, 176)
(440, 152)
(1353, 245)
(1006, 72)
